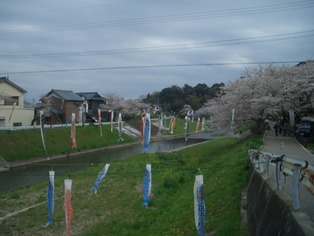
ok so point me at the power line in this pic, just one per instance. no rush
(114, 2)
(218, 43)
(170, 18)
(147, 67)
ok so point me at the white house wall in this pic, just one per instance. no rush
(20, 115)
(23, 116)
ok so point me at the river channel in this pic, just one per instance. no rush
(30, 174)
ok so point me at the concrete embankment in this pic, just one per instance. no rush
(4, 166)
(270, 211)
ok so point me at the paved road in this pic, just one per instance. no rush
(291, 148)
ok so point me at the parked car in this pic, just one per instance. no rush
(303, 129)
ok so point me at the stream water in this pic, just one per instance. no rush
(30, 174)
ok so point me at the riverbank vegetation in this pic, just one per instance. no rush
(25, 144)
(117, 207)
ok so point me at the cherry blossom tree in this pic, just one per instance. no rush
(265, 91)
(301, 90)
(114, 102)
(131, 107)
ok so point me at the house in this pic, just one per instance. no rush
(58, 106)
(14, 111)
(137, 107)
(93, 102)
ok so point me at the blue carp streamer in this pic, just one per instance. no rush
(147, 131)
(147, 183)
(199, 205)
(100, 177)
(164, 122)
(50, 197)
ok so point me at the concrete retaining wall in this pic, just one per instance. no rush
(270, 211)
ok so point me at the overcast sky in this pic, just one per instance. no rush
(136, 47)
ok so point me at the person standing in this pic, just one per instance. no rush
(276, 127)
(285, 129)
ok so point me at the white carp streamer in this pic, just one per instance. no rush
(73, 131)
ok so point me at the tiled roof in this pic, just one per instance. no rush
(67, 95)
(5, 79)
(92, 96)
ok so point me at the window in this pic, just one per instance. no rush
(17, 124)
(11, 101)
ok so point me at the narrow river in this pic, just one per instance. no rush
(30, 174)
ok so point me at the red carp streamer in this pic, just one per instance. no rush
(172, 124)
(99, 122)
(67, 205)
(198, 124)
(73, 132)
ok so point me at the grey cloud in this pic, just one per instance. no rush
(80, 26)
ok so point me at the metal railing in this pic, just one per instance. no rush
(300, 171)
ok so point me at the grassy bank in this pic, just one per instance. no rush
(26, 144)
(117, 208)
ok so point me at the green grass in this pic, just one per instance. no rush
(117, 208)
(244, 127)
(179, 127)
(26, 144)
(310, 144)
